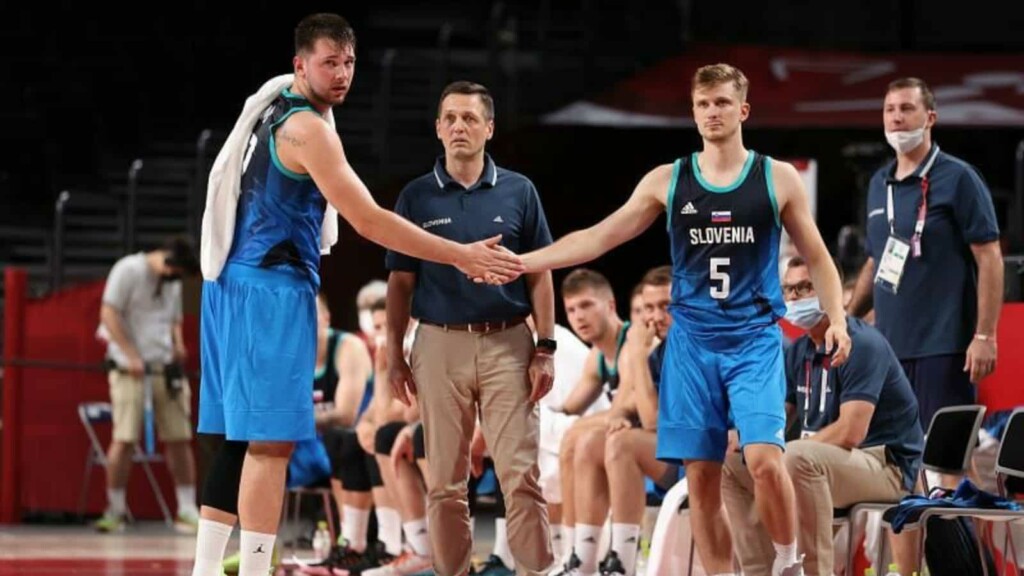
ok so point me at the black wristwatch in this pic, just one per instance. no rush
(547, 344)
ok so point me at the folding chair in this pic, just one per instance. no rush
(1009, 465)
(324, 492)
(92, 414)
(949, 444)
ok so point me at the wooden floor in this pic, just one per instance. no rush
(144, 549)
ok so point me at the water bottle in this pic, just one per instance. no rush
(321, 541)
(894, 570)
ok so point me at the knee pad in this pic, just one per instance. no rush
(373, 471)
(343, 448)
(220, 490)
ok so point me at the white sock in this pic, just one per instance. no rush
(186, 495)
(785, 556)
(558, 542)
(256, 550)
(354, 522)
(587, 539)
(501, 548)
(116, 504)
(570, 540)
(625, 543)
(472, 526)
(417, 537)
(389, 530)
(211, 540)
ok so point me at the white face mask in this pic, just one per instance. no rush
(804, 313)
(366, 322)
(903, 141)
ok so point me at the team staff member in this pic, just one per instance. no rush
(473, 351)
(934, 268)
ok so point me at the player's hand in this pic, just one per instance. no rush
(489, 262)
(640, 336)
(400, 377)
(366, 433)
(734, 442)
(180, 354)
(618, 423)
(477, 449)
(838, 343)
(136, 367)
(542, 375)
(402, 448)
(981, 359)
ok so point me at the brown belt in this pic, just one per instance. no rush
(479, 327)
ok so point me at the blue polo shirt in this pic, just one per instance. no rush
(501, 202)
(872, 374)
(935, 311)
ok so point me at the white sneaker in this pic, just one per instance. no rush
(187, 523)
(406, 564)
(794, 569)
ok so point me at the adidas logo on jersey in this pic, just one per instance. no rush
(688, 209)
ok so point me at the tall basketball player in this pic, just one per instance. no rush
(726, 207)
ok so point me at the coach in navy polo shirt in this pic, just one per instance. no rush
(860, 437)
(473, 352)
(935, 269)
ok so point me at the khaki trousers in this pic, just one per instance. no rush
(458, 374)
(824, 476)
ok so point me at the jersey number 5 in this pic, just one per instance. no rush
(718, 274)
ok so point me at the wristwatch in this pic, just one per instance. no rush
(547, 344)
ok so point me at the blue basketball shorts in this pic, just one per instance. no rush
(258, 352)
(712, 383)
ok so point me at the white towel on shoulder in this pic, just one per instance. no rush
(224, 185)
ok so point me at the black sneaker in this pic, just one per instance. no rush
(493, 567)
(611, 565)
(375, 557)
(339, 558)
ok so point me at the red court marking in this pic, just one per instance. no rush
(94, 567)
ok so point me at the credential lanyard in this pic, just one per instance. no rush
(922, 210)
(823, 394)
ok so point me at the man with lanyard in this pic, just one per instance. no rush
(860, 437)
(928, 213)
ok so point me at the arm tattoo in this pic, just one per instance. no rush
(288, 137)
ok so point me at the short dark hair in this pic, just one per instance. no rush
(181, 254)
(323, 25)
(469, 88)
(798, 261)
(379, 304)
(636, 291)
(660, 276)
(927, 96)
(581, 279)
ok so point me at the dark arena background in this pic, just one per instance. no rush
(112, 115)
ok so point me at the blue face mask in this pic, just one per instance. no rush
(804, 313)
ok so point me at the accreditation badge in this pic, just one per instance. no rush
(894, 259)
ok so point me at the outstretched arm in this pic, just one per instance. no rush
(306, 141)
(795, 214)
(632, 218)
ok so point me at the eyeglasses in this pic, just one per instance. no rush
(798, 290)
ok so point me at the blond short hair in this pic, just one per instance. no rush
(714, 74)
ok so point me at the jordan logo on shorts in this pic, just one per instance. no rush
(688, 209)
(499, 220)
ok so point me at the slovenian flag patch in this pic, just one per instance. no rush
(721, 216)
